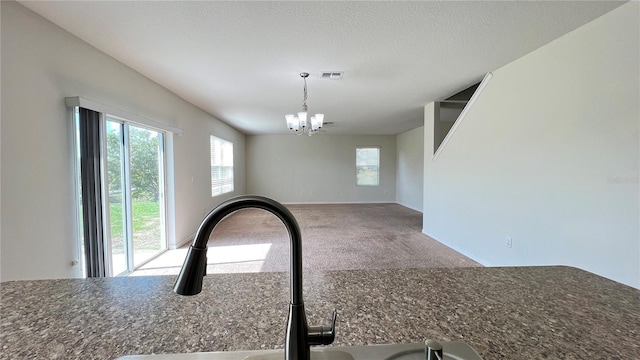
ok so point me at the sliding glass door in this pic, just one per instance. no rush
(135, 206)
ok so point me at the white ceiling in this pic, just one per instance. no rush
(240, 61)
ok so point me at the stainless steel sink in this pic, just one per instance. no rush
(453, 350)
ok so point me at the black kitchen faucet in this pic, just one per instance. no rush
(300, 336)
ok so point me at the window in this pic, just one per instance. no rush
(368, 166)
(221, 166)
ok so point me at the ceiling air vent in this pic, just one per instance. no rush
(331, 75)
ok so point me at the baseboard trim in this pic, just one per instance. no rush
(409, 207)
(336, 202)
(183, 242)
(461, 251)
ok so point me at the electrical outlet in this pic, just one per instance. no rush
(509, 242)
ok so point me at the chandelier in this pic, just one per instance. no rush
(298, 124)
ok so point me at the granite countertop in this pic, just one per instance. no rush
(504, 313)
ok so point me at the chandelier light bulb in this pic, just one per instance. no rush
(320, 119)
(302, 116)
(290, 121)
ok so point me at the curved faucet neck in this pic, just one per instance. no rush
(299, 335)
(274, 207)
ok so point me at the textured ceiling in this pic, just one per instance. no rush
(240, 61)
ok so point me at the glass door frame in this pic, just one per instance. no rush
(127, 196)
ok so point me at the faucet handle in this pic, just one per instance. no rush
(433, 350)
(323, 334)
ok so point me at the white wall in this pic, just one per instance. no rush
(41, 65)
(409, 168)
(317, 169)
(548, 155)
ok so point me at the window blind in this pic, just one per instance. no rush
(90, 175)
(221, 166)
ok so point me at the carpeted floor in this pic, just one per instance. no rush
(335, 237)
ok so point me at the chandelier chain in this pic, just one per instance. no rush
(304, 102)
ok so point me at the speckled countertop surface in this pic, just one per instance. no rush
(504, 313)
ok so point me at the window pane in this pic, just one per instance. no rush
(117, 209)
(146, 196)
(221, 166)
(367, 166)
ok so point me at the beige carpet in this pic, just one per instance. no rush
(335, 237)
